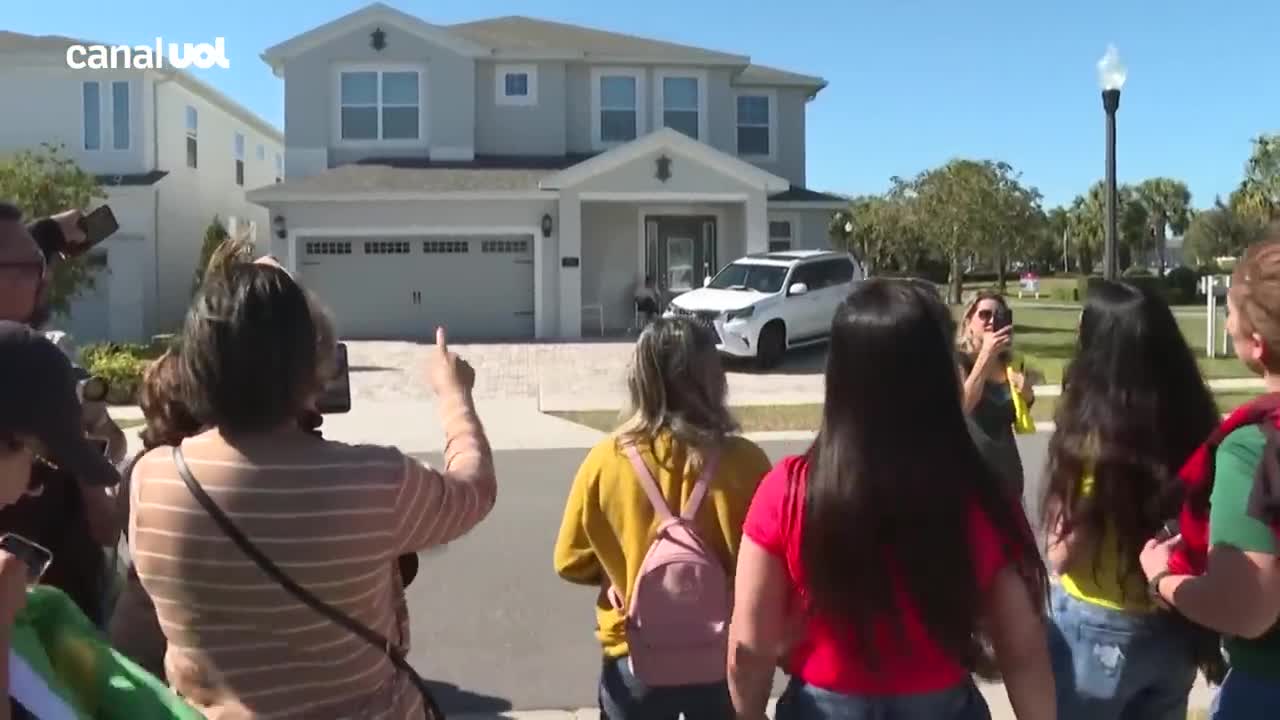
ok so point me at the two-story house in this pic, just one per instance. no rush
(515, 177)
(170, 151)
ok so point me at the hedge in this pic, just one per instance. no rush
(1179, 287)
(121, 365)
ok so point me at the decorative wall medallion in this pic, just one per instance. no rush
(663, 168)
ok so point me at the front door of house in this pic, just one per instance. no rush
(679, 252)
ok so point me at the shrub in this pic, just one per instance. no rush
(1148, 282)
(1183, 285)
(121, 365)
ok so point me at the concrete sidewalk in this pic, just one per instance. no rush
(994, 693)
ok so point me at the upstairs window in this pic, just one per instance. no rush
(755, 114)
(619, 108)
(380, 105)
(120, 127)
(516, 85)
(262, 152)
(91, 95)
(239, 159)
(193, 144)
(279, 167)
(681, 97)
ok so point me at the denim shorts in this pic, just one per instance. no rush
(802, 701)
(624, 697)
(1110, 664)
(1245, 697)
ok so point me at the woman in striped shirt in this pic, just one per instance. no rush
(332, 516)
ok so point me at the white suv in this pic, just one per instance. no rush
(761, 305)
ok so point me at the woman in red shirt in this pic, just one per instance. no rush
(878, 566)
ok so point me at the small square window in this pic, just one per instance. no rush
(517, 84)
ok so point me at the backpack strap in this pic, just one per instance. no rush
(655, 493)
(647, 482)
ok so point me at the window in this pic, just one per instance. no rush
(239, 159)
(680, 104)
(504, 246)
(279, 167)
(780, 235)
(329, 247)
(434, 247)
(193, 146)
(380, 105)
(754, 125)
(618, 99)
(120, 131)
(262, 151)
(516, 85)
(386, 247)
(92, 96)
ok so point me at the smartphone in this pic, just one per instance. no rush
(36, 558)
(1003, 319)
(1170, 529)
(336, 398)
(97, 226)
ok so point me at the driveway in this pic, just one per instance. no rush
(562, 376)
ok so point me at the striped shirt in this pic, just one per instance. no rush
(334, 517)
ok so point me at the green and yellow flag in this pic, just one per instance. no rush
(60, 666)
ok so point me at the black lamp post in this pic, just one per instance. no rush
(1111, 76)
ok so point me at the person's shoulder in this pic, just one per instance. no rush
(743, 452)
(1242, 447)
(604, 455)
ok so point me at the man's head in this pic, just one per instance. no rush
(40, 411)
(1253, 306)
(22, 271)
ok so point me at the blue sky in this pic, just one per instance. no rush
(912, 82)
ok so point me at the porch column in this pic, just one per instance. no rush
(569, 260)
(757, 221)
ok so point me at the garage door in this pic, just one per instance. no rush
(479, 287)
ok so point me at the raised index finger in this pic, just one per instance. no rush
(442, 342)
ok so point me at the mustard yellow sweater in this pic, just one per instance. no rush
(609, 524)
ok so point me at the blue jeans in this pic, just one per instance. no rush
(1113, 665)
(1245, 697)
(624, 697)
(802, 701)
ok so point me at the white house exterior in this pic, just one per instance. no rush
(516, 178)
(133, 129)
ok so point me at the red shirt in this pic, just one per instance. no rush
(822, 657)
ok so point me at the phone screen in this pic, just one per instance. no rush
(98, 226)
(336, 398)
(36, 558)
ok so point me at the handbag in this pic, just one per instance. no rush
(395, 654)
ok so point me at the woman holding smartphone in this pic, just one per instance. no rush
(985, 340)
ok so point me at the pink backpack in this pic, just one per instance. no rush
(678, 619)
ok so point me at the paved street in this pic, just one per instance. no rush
(492, 623)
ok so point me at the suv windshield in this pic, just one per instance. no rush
(758, 278)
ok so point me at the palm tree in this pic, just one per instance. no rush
(1168, 205)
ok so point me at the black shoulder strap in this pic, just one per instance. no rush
(355, 627)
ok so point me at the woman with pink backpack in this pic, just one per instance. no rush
(879, 566)
(654, 520)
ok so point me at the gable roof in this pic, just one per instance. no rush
(52, 48)
(375, 12)
(517, 33)
(673, 141)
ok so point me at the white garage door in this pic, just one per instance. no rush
(478, 287)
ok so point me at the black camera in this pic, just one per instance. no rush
(1002, 318)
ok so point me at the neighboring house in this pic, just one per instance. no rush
(171, 153)
(516, 178)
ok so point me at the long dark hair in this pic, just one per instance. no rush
(1134, 407)
(894, 477)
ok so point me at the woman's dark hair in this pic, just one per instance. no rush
(168, 421)
(894, 478)
(250, 359)
(1133, 409)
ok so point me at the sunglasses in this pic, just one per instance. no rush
(986, 315)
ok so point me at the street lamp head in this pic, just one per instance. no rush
(1111, 71)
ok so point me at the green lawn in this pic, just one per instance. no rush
(773, 418)
(1046, 337)
(131, 423)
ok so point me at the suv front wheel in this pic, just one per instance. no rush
(771, 346)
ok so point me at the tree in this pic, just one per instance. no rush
(214, 235)
(1259, 193)
(1220, 231)
(1087, 226)
(43, 182)
(954, 206)
(1058, 232)
(1167, 203)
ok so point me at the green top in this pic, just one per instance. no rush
(1236, 464)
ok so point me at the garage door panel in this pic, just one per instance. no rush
(479, 287)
